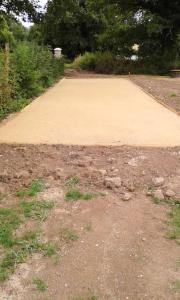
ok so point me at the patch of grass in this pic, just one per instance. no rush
(75, 194)
(88, 227)
(35, 187)
(40, 284)
(2, 196)
(174, 223)
(72, 181)
(176, 286)
(9, 221)
(68, 235)
(36, 209)
(86, 298)
(156, 200)
(173, 95)
(23, 247)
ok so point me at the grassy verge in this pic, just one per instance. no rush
(17, 248)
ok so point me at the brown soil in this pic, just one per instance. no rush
(165, 89)
(125, 254)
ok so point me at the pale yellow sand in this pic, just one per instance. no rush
(105, 111)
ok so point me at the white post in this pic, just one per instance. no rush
(57, 52)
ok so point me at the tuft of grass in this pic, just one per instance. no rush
(88, 227)
(173, 95)
(23, 247)
(86, 298)
(68, 235)
(9, 221)
(35, 187)
(75, 194)
(72, 181)
(174, 223)
(36, 209)
(156, 200)
(40, 284)
(2, 196)
(176, 286)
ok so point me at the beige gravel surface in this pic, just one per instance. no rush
(99, 111)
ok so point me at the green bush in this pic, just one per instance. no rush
(85, 61)
(105, 63)
(32, 69)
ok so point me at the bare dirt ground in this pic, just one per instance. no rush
(165, 89)
(121, 250)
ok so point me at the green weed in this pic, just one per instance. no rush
(176, 286)
(86, 298)
(2, 196)
(156, 200)
(23, 247)
(174, 224)
(9, 221)
(72, 181)
(75, 194)
(35, 187)
(40, 284)
(173, 95)
(36, 209)
(88, 227)
(68, 235)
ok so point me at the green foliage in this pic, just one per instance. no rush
(86, 298)
(33, 68)
(72, 25)
(68, 235)
(36, 209)
(40, 284)
(35, 187)
(12, 106)
(174, 223)
(9, 221)
(24, 247)
(75, 194)
(85, 61)
(105, 63)
(72, 181)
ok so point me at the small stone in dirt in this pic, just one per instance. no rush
(158, 181)
(170, 194)
(57, 174)
(22, 174)
(103, 172)
(74, 154)
(111, 160)
(112, 182)
(127, 196)
(149, 193)
(131, 188)
(132, 162)
(5, 177)
(158, 194)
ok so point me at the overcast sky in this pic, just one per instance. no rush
(42, 3)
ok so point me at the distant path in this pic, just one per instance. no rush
(103, 111)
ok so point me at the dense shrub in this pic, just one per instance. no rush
(85, 61)
(32, 69)
(106, 63)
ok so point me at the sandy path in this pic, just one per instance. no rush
(94, 111)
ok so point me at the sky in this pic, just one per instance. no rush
(42, 3)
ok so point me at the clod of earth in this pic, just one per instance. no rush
(112, 182)
(158, 181)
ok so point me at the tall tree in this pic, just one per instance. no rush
(20, 7)
(72, 25)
